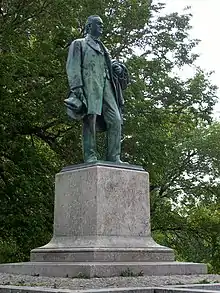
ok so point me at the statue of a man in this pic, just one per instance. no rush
(96, 85)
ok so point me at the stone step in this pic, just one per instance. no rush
(102, 255)
(103, 269)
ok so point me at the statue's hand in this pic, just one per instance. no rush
(78, 92)
(116, 68)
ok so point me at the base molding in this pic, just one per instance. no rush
(102, 255)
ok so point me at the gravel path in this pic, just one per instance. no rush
(98, 283)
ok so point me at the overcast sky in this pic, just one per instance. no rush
(206, 27)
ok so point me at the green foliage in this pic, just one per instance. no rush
(168, 124)
(129, 273)
(187, 208)
(82, 276)
(9, 251)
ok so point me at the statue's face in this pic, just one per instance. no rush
(96, 27)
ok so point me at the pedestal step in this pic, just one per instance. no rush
(102, 255)
(103, 269)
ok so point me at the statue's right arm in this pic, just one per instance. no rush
(73, 65)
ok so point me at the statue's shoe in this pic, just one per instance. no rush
(121, 162)
(91, 160)
(118, 161)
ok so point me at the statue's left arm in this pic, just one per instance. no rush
(120, 73)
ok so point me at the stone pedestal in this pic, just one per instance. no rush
(102, 213)
(102, 227)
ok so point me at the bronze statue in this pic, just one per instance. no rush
(96, 85)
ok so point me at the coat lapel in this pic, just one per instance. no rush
(93, 44)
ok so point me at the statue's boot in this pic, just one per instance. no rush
(89, 139)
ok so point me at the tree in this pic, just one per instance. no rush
(193, 223)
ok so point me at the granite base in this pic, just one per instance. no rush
(102, 227)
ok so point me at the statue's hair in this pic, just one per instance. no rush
(88, 22)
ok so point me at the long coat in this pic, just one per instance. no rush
(88, 65)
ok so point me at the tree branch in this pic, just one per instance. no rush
(36, 13)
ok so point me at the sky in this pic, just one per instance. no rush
(206, 27)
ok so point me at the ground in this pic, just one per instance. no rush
(98, 283)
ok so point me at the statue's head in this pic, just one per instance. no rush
(94, 26)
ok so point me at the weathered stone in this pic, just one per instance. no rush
(102, 213)
(102, 227)
(103, 269)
